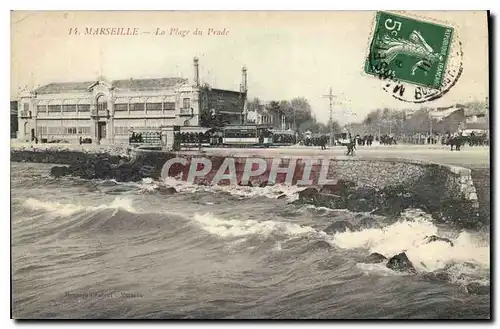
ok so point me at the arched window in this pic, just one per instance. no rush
(102, 103)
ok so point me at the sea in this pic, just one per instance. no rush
(99, 249)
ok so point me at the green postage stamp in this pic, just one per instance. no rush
(410, 50)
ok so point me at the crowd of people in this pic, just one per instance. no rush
(472, 139)
(284, 139)
(322, 140)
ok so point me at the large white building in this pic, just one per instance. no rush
(106, 111)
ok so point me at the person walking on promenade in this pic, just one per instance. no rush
(350, 147)
(323, 142)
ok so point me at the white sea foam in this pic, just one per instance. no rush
(147, 185)
(68, 209)
(60, 209)
(272, 192)
(468, 255)
(239, 228)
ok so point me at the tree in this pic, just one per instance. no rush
(287, 110)
(336, 128)
(297, 112)
(274, 108)
(311, 125)
(302, 111)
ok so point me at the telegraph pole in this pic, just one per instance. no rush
(330, 96)
(98, 135)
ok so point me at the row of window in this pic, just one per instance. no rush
(64, 108)
(149, 106)
(266, 119)
(118, 107)
(63, 130)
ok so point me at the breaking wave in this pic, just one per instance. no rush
(240, 228)
(271, 191)
(68, 209)
(467, 259)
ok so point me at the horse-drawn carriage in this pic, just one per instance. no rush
(387, 140)
(476, 137)
(473, 137)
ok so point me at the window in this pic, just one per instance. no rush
(70, 130)
(42, 131)
(54, 108)
(136, 106)
(243, 133)
(54, 130)
(84, 130)
(26, 107)
(186, 103)
(169, 105)
(83, 107)
(153, 106)
(102, 103)
(41, 108)
(121, 107)
(121, 130)
(69, 108)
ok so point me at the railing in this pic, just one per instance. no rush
(186, 111)
(26, 114)
(101, 113)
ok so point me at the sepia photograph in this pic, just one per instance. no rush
(240, 165)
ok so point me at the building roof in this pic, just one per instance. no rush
(61, 87)
(442, 113)
(129, 84)
(147, 84)
(226, 91)
(468, 110)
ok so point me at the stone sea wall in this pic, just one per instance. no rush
(379, 185)
(451, 181)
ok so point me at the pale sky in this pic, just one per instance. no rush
(287, 54)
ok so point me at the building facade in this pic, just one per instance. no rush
(263, 115)
(477, 119)
(107, 111)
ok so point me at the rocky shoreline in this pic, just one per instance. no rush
(428, 193)
(394, 199)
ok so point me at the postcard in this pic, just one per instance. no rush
(250, 165)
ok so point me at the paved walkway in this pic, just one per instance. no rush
(468, 157)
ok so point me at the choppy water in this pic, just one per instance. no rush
(99, 249)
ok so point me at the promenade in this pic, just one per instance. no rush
(468, 157)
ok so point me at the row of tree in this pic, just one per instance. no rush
(407, 121)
